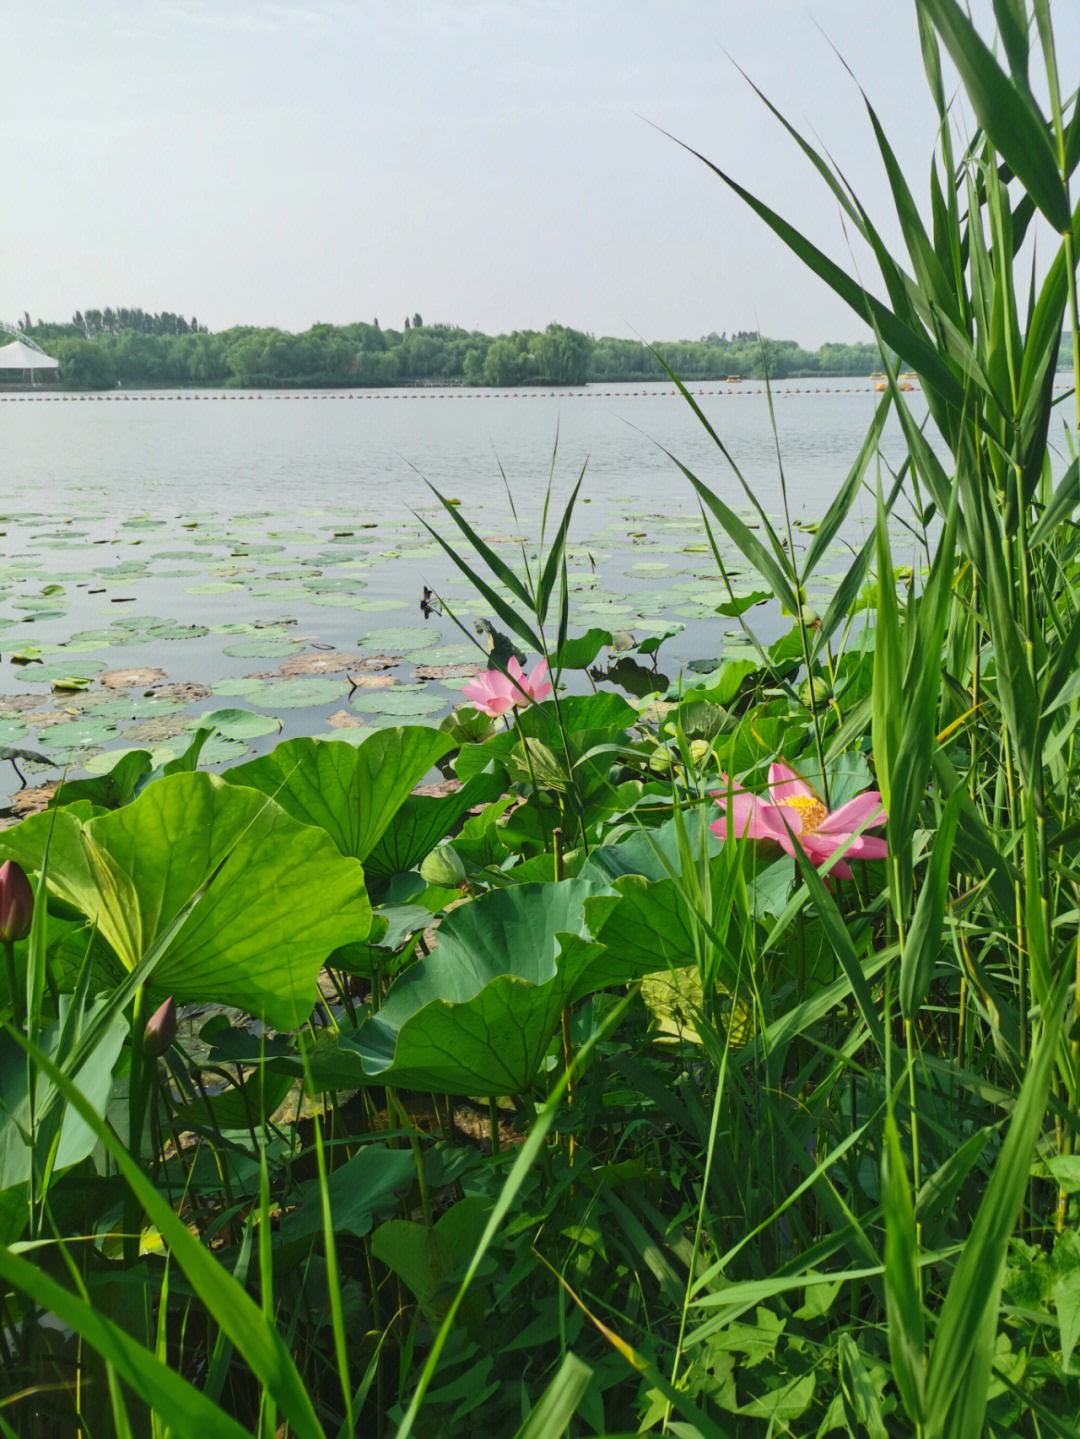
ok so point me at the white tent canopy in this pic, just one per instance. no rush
(19, 356)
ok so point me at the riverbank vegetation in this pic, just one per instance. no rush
(703, 1065)
(99, 349)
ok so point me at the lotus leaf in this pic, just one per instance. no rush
(76, 1139)
(350, 791)
(283, 900)
(477, 1015)
(422, 821)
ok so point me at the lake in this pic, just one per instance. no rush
(247, 545)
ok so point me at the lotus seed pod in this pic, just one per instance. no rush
(16, 902)
(661, 761)
(810, 617)
(443, 868)
(818, 690)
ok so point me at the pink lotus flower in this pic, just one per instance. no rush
(529, 689)
(493, 693)
(793, 808)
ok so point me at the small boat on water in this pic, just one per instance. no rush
(734, 380)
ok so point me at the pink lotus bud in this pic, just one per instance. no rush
(160, 1029)
(16, 902)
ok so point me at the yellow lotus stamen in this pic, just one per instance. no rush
(810, 811)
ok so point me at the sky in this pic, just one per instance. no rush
(495, 164)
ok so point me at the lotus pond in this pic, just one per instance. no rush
(127, 618)
(670, 1034)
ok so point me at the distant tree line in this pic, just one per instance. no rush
(99, 349)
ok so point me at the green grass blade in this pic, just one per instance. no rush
(836, 931)
(559, 1401)
(903, 1296)
(506, 613)
(844, 498)
(749, 546)
(498, 567)
(913, 348)
(526, 1157)
(1010, 119)
(553, 564)
(922, 943)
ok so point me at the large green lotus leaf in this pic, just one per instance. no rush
(422, 821)
(350, 791)
(284, 899)
(649, 928)
(477, 1015)
(654, 853)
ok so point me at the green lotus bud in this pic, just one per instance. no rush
(818, 690)
(443, 868)
(810, 617)
(701, 752)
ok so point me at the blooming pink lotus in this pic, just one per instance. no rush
(493, 693)
(529, 689)
(793, 808)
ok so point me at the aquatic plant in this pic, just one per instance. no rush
(793, 813)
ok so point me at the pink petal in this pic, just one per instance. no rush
(784, 784)
(864, 810)
(490, 693)
(741, 809)
(780, 819)
(819, 846)
(867, 846)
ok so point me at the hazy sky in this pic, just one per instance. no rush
(490, 163)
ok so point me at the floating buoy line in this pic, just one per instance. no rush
(137, 396)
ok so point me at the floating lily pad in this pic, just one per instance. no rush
(263, 649)
(187, 692)
(169, 630)
(329, 585)
(342, 719)
(80, 733)
(447, 671)
(103, 763)
(402, 639)
(303, 692)
(402, 700)
(156, 730)
(241, 686)
(219, 749)
(236, 723)
(69, 669)
(214, 587)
